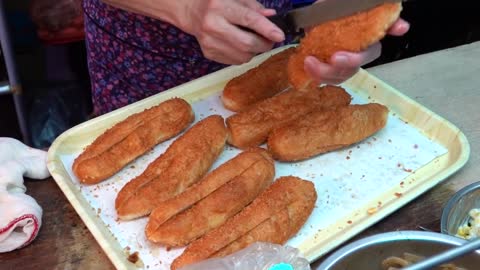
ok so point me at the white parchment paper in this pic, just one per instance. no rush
(345, 180)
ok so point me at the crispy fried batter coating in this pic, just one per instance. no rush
(185, 162)
(130, 138)
(289, 200)
(211, 182)
(323, 131)
(354, 33)
(277, 229)
(261, 82)
(251, 127)
(230, 198)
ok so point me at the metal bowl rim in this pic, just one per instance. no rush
(452, 202)
(388, 237)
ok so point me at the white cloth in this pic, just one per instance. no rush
(20, 214)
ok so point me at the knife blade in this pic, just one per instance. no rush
(296, 19)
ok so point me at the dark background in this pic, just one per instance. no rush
(56, 88)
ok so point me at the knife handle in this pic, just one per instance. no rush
(284, 22)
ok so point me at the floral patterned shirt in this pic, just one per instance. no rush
(131, 57)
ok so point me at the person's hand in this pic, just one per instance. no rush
(220, 27)
(344, 65)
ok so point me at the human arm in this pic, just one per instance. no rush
(218, 25)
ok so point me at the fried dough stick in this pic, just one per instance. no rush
(277, 229)
(217, 207)
(261, 82)
(211, 182)
(130, 138)
(353, 33)
(251, 127)
(288, 198)
(323, 131)
(185, 162)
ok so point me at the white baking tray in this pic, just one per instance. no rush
(357, 186)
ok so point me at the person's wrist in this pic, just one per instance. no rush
(181, 15)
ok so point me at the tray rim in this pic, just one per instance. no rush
(104, 238)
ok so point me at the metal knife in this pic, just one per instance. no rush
(319, 12)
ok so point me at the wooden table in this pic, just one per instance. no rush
(447, 82)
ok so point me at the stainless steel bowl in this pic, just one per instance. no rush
(368, 253)
(455, 212)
